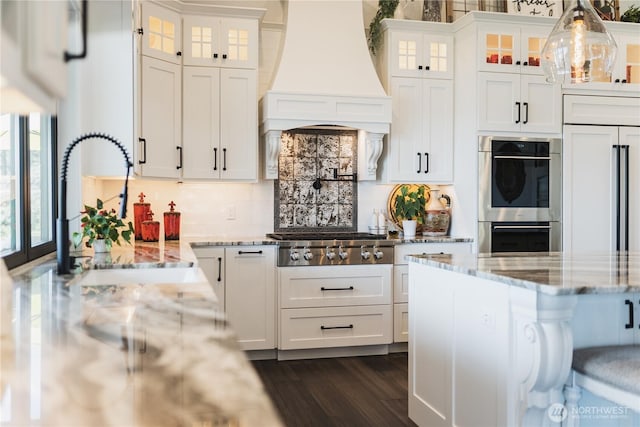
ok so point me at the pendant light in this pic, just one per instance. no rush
(579, 49)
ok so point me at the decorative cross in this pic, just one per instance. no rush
(172, 205)
(141, 196)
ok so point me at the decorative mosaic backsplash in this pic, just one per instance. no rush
(307, 161)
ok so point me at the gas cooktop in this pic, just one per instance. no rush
(325, 235)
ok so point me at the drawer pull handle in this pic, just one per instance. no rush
(630, 324)
(350, 288)
(336, 327)
(249, 252)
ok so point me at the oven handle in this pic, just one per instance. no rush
(524, 157)
(520, 227)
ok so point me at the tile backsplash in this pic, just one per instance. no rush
(315, 188)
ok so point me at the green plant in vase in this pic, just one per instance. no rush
(409, 204)
(99, 223)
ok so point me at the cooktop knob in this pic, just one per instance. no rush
(294, 255)
(331, 255)
(364, 252)
(308, 255)
(342, 253)
(377, 253)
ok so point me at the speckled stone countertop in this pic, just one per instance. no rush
(122, 354)
(554, 273)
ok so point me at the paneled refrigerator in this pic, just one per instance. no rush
(601, 188)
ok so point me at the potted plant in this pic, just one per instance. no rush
(409, 208)
(102, 227)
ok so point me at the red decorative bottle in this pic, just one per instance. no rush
(172, 223)
(150, 229)
(140, 213)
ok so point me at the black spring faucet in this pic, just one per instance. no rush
(65, 262)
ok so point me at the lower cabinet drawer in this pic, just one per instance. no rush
(302, 328)
(401, 322)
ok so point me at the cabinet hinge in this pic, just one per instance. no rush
(140, 31)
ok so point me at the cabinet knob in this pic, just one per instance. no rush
(525, 63)
(215, 55)
(224, 56)
(617, 81)
(179, 53)
(517, 62)
(426, 68)
(419, 67)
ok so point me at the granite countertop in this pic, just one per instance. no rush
(553, 273)
(122, 354)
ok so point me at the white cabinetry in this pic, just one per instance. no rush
(511, 94)
(160, 94)
(471, 325)
(591, 148)
(220, 42)
(211, 261)
(511, 48)
(243, 279)
(220, 123)
(518, 103)
(250, 292)
(401, 280)
(334, 307)
(33, 44)
(416, 68)
(627, 65)
(105, 87)
(198, 98)
(621, 325)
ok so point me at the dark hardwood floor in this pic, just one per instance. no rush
(345, 391)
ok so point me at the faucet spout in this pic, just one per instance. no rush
(65, 262)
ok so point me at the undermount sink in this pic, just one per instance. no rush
(143, 276)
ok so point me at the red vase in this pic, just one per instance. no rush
(172, 223)
(150, 229)
(140, 213)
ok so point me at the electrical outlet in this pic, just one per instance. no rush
(231, 212)
(488, 319)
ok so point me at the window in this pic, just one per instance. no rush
(27, 187)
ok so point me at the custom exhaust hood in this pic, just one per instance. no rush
(326, 78)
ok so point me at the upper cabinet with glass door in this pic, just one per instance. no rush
(220, 42)
(161, 36)
(416, 54)
(627, 66)
(511, 48)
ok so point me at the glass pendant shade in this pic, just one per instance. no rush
(579, 49)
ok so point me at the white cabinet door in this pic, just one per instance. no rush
(421, 145)
(430, 348)
(588, 188)
(250, 295)
(499, 105)
(161, 33)
(541, 105)
(239, 124)
(518, 103)
(630, 136)
(211, 261)
(511, 48)
(627, 65)
(220, 42)
(201, 122)
(415, 54)
(161, 121)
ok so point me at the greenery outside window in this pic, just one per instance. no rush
(27, 187)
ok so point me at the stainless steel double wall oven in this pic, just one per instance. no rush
(520, 194)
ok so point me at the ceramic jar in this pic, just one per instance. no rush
(437, 217)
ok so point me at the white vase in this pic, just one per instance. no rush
(409, 228)
(100, 246)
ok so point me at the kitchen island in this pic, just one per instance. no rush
(491, 337)
(138, 352)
